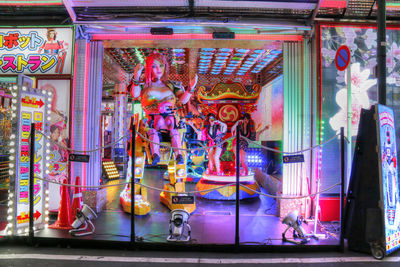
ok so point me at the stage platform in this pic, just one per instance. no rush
(213, 222)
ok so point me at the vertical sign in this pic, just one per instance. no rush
(28, 106)
(389, 181)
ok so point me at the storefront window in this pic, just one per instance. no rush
(361, 40)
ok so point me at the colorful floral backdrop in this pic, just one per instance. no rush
(362, 44)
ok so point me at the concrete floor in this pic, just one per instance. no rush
(213, 222)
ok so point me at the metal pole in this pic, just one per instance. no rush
(237, 189)
(133, 235)
(342, 171)
(31, 182)
(349, 124)
(381, 51)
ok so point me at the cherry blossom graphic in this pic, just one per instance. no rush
(360, 84)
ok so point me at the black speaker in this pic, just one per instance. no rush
(161, 31)
(363, 192)
(223, 35)
(273, 163)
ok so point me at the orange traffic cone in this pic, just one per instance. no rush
(64, 219)
(76, 198)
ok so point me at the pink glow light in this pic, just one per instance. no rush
(190, 36)
(73, 103)
(85, 97)
(333, 3)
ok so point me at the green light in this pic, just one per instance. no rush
(393, 4)
(139, 56)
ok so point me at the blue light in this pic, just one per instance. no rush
(243, 51)
(258, 51)
(222, 54)
(205, 57)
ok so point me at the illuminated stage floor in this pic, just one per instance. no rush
(213, 222)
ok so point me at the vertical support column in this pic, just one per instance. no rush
(297, 123)
(87, 106)
(237, 215)
(307, 115)
(381, 51)
(119, 118)
(342, 185)
(132, 185)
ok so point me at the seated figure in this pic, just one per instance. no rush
(159, 98)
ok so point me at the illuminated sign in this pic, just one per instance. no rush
(107, 106)
(389, 178)
(28, 106)
(30, 2)
(36, 50)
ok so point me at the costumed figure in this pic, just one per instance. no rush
(214, 131)
(56, 146)
(54, 47)
(159, 98)
(246, 128)
(389, 162)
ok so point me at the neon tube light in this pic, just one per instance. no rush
(85, 104)
(333, 4)
(73, 101)
(190, 36)
(31, 3)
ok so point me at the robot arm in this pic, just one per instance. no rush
(134, 87)
(234, 127)
(185, 97)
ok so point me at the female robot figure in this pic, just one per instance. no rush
(246, 128)
(214, 131)
(54, 47)
(56, 146)
(159, 97)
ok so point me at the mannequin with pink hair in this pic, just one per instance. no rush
(159, 98)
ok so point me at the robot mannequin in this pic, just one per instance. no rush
(245, 126)
(159, 97)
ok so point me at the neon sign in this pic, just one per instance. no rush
(28, 106)
(41, 51)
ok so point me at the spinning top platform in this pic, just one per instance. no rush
(210, 181)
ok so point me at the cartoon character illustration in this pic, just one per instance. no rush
(389, 162)
(54, 47)
(56, 146)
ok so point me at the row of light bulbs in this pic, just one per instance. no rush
(111, 170)
(12, 158)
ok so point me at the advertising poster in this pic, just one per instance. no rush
(59, 135)
(36, 50)
(390, 181)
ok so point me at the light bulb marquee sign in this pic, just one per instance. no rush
(29, 106)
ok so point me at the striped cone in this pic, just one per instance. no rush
(77, 198)
(64, 219)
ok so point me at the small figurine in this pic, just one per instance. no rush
(214, 131)
(246, 128)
